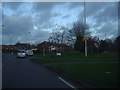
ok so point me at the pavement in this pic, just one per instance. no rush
(22, 73)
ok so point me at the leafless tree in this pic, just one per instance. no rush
(78, 31)
(70, 36)
(58, 35)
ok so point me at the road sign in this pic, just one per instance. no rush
(86, 38)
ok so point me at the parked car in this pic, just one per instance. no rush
(21, 53)
(29, 52)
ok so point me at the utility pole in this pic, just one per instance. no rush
(27, 42)
(85, 29)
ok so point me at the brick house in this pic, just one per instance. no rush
(15, 47)
(19, 46)
(8, 47)
(50, 46)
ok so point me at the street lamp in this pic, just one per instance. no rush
(85, 29)
(27, 42)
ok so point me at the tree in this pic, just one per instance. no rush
(105, 45)
(72, 37)
(79, 30)
(117, 44)
(93, 45)
(58, 35)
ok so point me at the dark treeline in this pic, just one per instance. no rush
(104, 45)
(100, 46)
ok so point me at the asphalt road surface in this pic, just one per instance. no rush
(22, 73)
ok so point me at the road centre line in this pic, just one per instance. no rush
(66, 83)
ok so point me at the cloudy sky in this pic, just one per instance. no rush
(32, 22)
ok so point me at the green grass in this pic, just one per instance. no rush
(93, 74)
(77, 57)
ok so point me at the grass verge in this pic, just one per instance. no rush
(77, 57)
(98, 75)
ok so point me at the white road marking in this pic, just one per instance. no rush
(66, 83)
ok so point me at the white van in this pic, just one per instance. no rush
(29, 52)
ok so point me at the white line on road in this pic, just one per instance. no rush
(66, 83)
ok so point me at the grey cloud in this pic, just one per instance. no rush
(12, 5)
(44, 14)
(56, 14)
(109, 28)
(73, 5)
(17, 8)
(109, 13)
(34, 37)
(44, 6)
(0, 17)
(66, 16)
(19, 26)
(45, 17)
(0, 11)
(93, 8)
(44, 20)
(39, 36)
(6, 39)
(16, 24)
(15, 27)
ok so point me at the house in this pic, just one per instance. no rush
(7, 47)
(52, 47)
(15, 47)
(19, 46)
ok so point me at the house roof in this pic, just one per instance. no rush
(51, 43)
(22, 43)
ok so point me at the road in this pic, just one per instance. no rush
(22, 73)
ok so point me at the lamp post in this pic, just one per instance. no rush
(85, 29)
(27, 42)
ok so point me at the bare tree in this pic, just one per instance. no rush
(78, 31)
(58, 35)
(72, 37)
